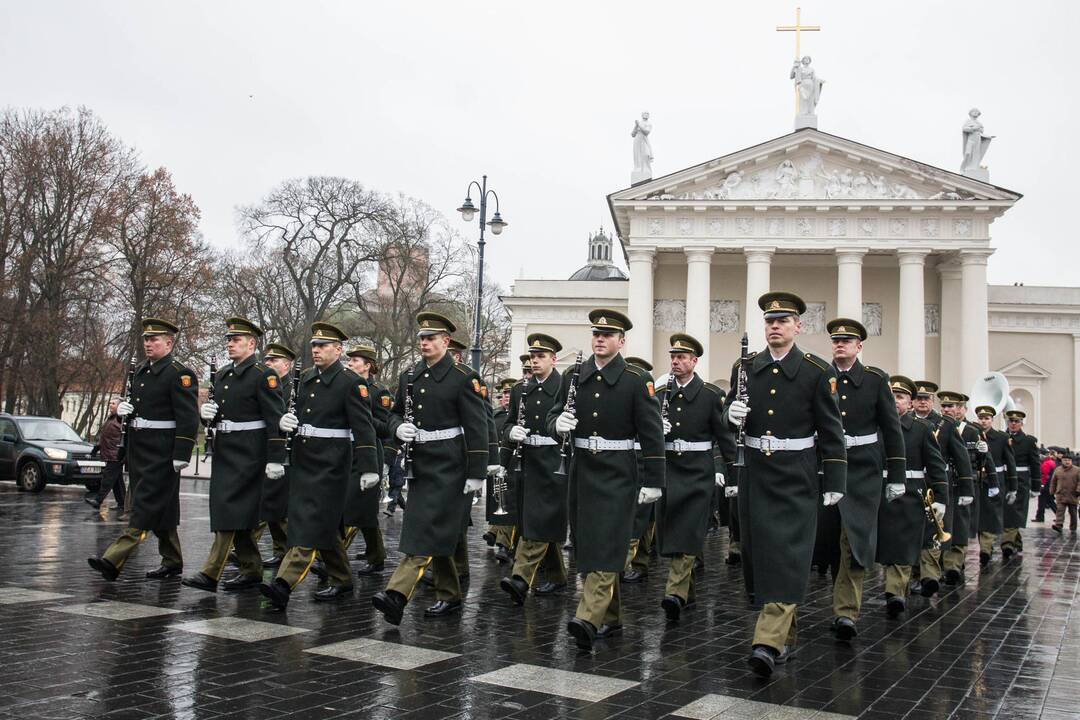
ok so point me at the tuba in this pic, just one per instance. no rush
(991, 389)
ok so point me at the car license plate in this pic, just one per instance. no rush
(92, 470)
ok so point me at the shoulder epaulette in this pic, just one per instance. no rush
(818, 362)
(876, 371)
(519, 384)
(714, 388)
(921, 421)
(177, 365)
(308, 371)
(634, 370)
(463, 369)
(749, 356)
(261, 368)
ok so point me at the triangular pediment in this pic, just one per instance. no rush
(1024, 368)
(809, 165)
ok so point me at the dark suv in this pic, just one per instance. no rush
(35, 451)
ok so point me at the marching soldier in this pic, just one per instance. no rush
(959, 519)
(544, 494)
(244, 414)
(991, 508)
(526, 365)
(336, 437)
(1029, 481)
(502, 532)
(440, 418)
(795, 418)
(644, 532)
(693, 427)
(362, 503)
(901, 518)
(875, 448)
(162, 419)
(274, 505)
(614, 404)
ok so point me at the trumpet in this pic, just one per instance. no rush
(499, 488)
(940, 535)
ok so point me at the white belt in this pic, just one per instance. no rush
(686, 446)
(910, 474)
(637, 446)
(228, 426)
(596, 444)
(768, 443)
(999, 468)
(851, 441)
(425, 436)
(142, 424)
(1023, 470)
(538, 440)
(318, 432)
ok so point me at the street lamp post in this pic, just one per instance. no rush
(497, 224)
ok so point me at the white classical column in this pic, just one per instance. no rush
(758, 274)
(1076, 391)
(517, 342)
(639, 341)
(951, 350)
(698, 295)
(974, 326)
(911, 330)
(849, 262)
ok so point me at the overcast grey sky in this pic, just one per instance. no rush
(420, 97)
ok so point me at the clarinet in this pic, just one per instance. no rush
(741, 393)
(667, 399)
(520, 423)
(567, 450)
(128, 384)
(407, 447)
(210, 424)
(294, 390)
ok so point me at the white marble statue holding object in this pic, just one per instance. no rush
(808, 85)
(643, 153)
(975, 146)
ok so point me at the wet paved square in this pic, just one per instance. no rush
(1004, 645)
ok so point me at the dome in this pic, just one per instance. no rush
(600, 266)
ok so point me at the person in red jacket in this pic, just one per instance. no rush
(1046, 469)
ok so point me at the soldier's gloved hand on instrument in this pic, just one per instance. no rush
(737, 412)
(731, 491)
(368, 480)
(406, 432)
(981, 446)
(894, 491)
(208, 411)
(276, 470)
(1010, 497)
(993, 492)
(178, 465)
(720, 480)
(667, 426)
(648, 495)
(288, 422)
(495, 470)
(472, 486)
(831, 498)
(518, 433)
(939, 510)
(566, 422)
(965, 500)
(124, 408)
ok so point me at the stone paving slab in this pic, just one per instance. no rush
(111, 610)
(234, 628)
(386, 654)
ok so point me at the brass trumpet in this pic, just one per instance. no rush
(940, 535)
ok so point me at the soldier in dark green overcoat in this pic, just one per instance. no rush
(440, 419)
(162, 418)
(902, 514)
(334, 436)
(962, 492)
(1028, 482)
(643, 534)
(248, 446)
(992, 509)
(791, 419)
(614, 406)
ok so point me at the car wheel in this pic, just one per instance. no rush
(31, 477)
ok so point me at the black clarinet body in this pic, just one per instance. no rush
(567, 450)
(212, 423)
(294, 391)
(128, 384)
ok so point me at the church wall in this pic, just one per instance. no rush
(1053, 353)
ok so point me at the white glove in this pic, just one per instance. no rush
(667, 425)
(831, 498)
(993, 492)
(208, 411)
(731, 490)
(981, 446)
(472, 486)
(275, 470)
(1010, 497)
(124, 408)
(965, 500)
(406, 432)
(720, 480)
(495, 470)
(518, 433)
(565, 423)
(368, 480)
(178, 465)
(939, 510)
(737, 412)
(894, 491)
(648, 495)
(288, 422)
(1034, 493)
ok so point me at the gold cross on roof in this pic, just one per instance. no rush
(798, 28)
